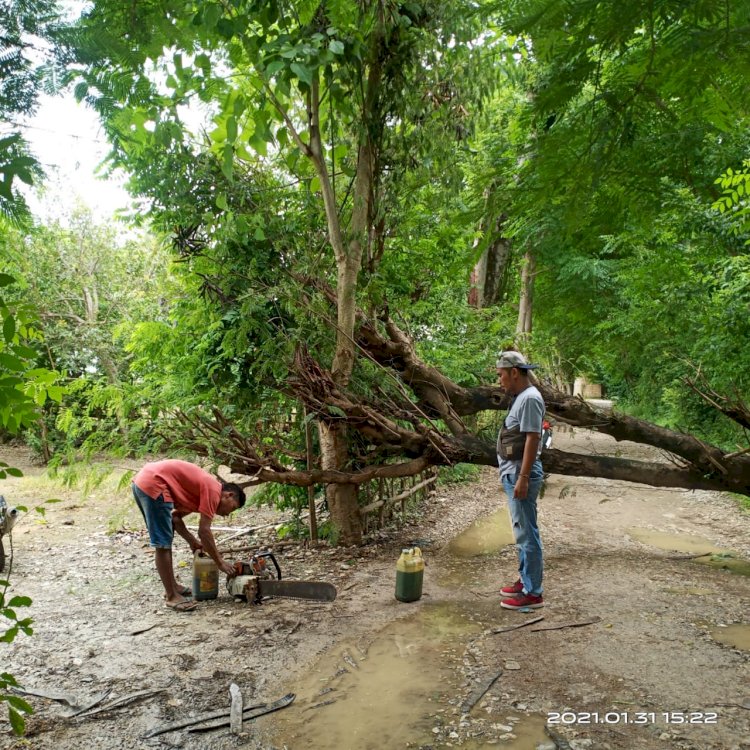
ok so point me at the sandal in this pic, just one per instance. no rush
(183, 591)
(182, 606)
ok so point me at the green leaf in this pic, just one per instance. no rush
(9, 635)
(19, 703)
(9, 328)
(211, 15)
(336, 46)
(221, 201)
(259, 235)
(203, 62)
(302, 72)
(17, 723)
(9, 362)
(231, 128)
(55, 393)
(274, 67)
(6, 279)
(227, 162)
(14, 472)
(24, 351)
(258, 144)
(20, 601)
(225, 27)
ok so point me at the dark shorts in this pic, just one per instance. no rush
(158, 517)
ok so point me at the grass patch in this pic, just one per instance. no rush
(459, 474)
(125, 516)
(743, 501)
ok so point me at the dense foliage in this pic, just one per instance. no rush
(630, 116)
(608, 145)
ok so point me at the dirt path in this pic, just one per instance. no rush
(653, 658)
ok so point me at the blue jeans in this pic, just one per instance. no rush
(525, 529)
(158, 517)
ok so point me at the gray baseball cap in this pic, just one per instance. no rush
(514, 359)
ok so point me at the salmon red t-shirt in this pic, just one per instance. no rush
(190, 488)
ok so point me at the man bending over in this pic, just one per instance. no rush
(166, 492)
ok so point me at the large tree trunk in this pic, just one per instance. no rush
(526, 301)
(342, 498)
(489, 275)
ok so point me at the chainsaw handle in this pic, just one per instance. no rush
(270, 556)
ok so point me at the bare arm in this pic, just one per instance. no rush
(209, 545)
(182, 530)
(521, 489)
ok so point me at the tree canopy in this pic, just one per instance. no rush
(367, 200)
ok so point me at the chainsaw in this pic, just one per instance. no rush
(255, 580)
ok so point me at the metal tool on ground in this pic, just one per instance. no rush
(256, 580)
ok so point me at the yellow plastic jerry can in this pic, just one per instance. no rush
(205, 577)
(409, 575)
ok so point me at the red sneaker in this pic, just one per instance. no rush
(515, 590)
(525, 601)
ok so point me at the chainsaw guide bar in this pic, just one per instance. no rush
(255, 580)
(254, 589)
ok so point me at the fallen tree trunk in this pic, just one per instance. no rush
(413, 430)
(696, 465)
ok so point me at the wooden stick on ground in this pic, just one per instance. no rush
(197, 720)
(85, 713)
(520, 625)
(89, 706)
(144, 629)
(66, 698)
(247, 716)
(688, 557)
(235, 710)
(561, 625)
(745, 704)
(477, 695)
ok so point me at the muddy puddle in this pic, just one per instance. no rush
(470, 560)
(709, 553)
(486, 536)
(404, 687)
(388, 693)
(736, 636)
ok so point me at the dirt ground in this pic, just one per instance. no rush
(652, 671)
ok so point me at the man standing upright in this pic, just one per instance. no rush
(166, 492)
(521, 474)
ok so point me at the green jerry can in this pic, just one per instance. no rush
(409, 575)
(205, 577)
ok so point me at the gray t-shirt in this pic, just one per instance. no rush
(526, 412)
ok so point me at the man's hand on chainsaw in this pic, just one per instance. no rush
(227, 568)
